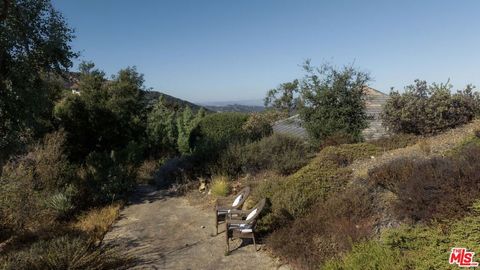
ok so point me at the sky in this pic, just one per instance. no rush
(205, 51)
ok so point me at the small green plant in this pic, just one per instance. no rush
(220, 186)
(61, 203)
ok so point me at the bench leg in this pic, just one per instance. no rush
(254, 244)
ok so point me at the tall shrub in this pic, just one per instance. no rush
(215, 131)
(161, 128)
(186, 122)
(333, 101)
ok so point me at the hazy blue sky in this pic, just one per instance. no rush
(237, 50)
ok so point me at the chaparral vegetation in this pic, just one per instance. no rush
(74, 145)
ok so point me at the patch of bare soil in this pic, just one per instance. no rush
(165, 232)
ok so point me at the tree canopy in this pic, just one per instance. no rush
(34, 50)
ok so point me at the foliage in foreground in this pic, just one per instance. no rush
(408, 190)
(414, 247)
(65, 252)
(293, 196)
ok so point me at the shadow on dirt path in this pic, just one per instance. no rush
(165, 232)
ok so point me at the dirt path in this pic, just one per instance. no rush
(167, 233)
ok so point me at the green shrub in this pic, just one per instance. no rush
(414, 247)
(106, 116)
(27, 180)
(259, 125)
(220, 186)
(232, 161)
(429, 109)
(65, 253)
(369, 255)
(110, 176)
(313, 183)
(62, 202)
(280, 153)
(333, 102)
(215, 131)
(161, 128)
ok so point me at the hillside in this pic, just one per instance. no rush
(395, 188)
(150, 97)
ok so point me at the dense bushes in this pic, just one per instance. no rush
(106, 116)
(219, 129)
(414, 247)
(328, 229)
(370, 255)
(429, 109)
(411, 190)
(110, 176)
(293, 196)
(434, 188)
(31, 182)
(43, 185)
(280, 153)
(215, 131)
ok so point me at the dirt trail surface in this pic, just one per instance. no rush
(165, 232)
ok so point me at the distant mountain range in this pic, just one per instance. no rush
(224, 106)
(150, 97)
(253, 105)
(249, 102)
(235, 108)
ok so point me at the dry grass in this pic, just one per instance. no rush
(436, 145)
(97, 222)
(147, 171)
(220, 186)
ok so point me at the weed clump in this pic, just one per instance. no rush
(220, 186)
